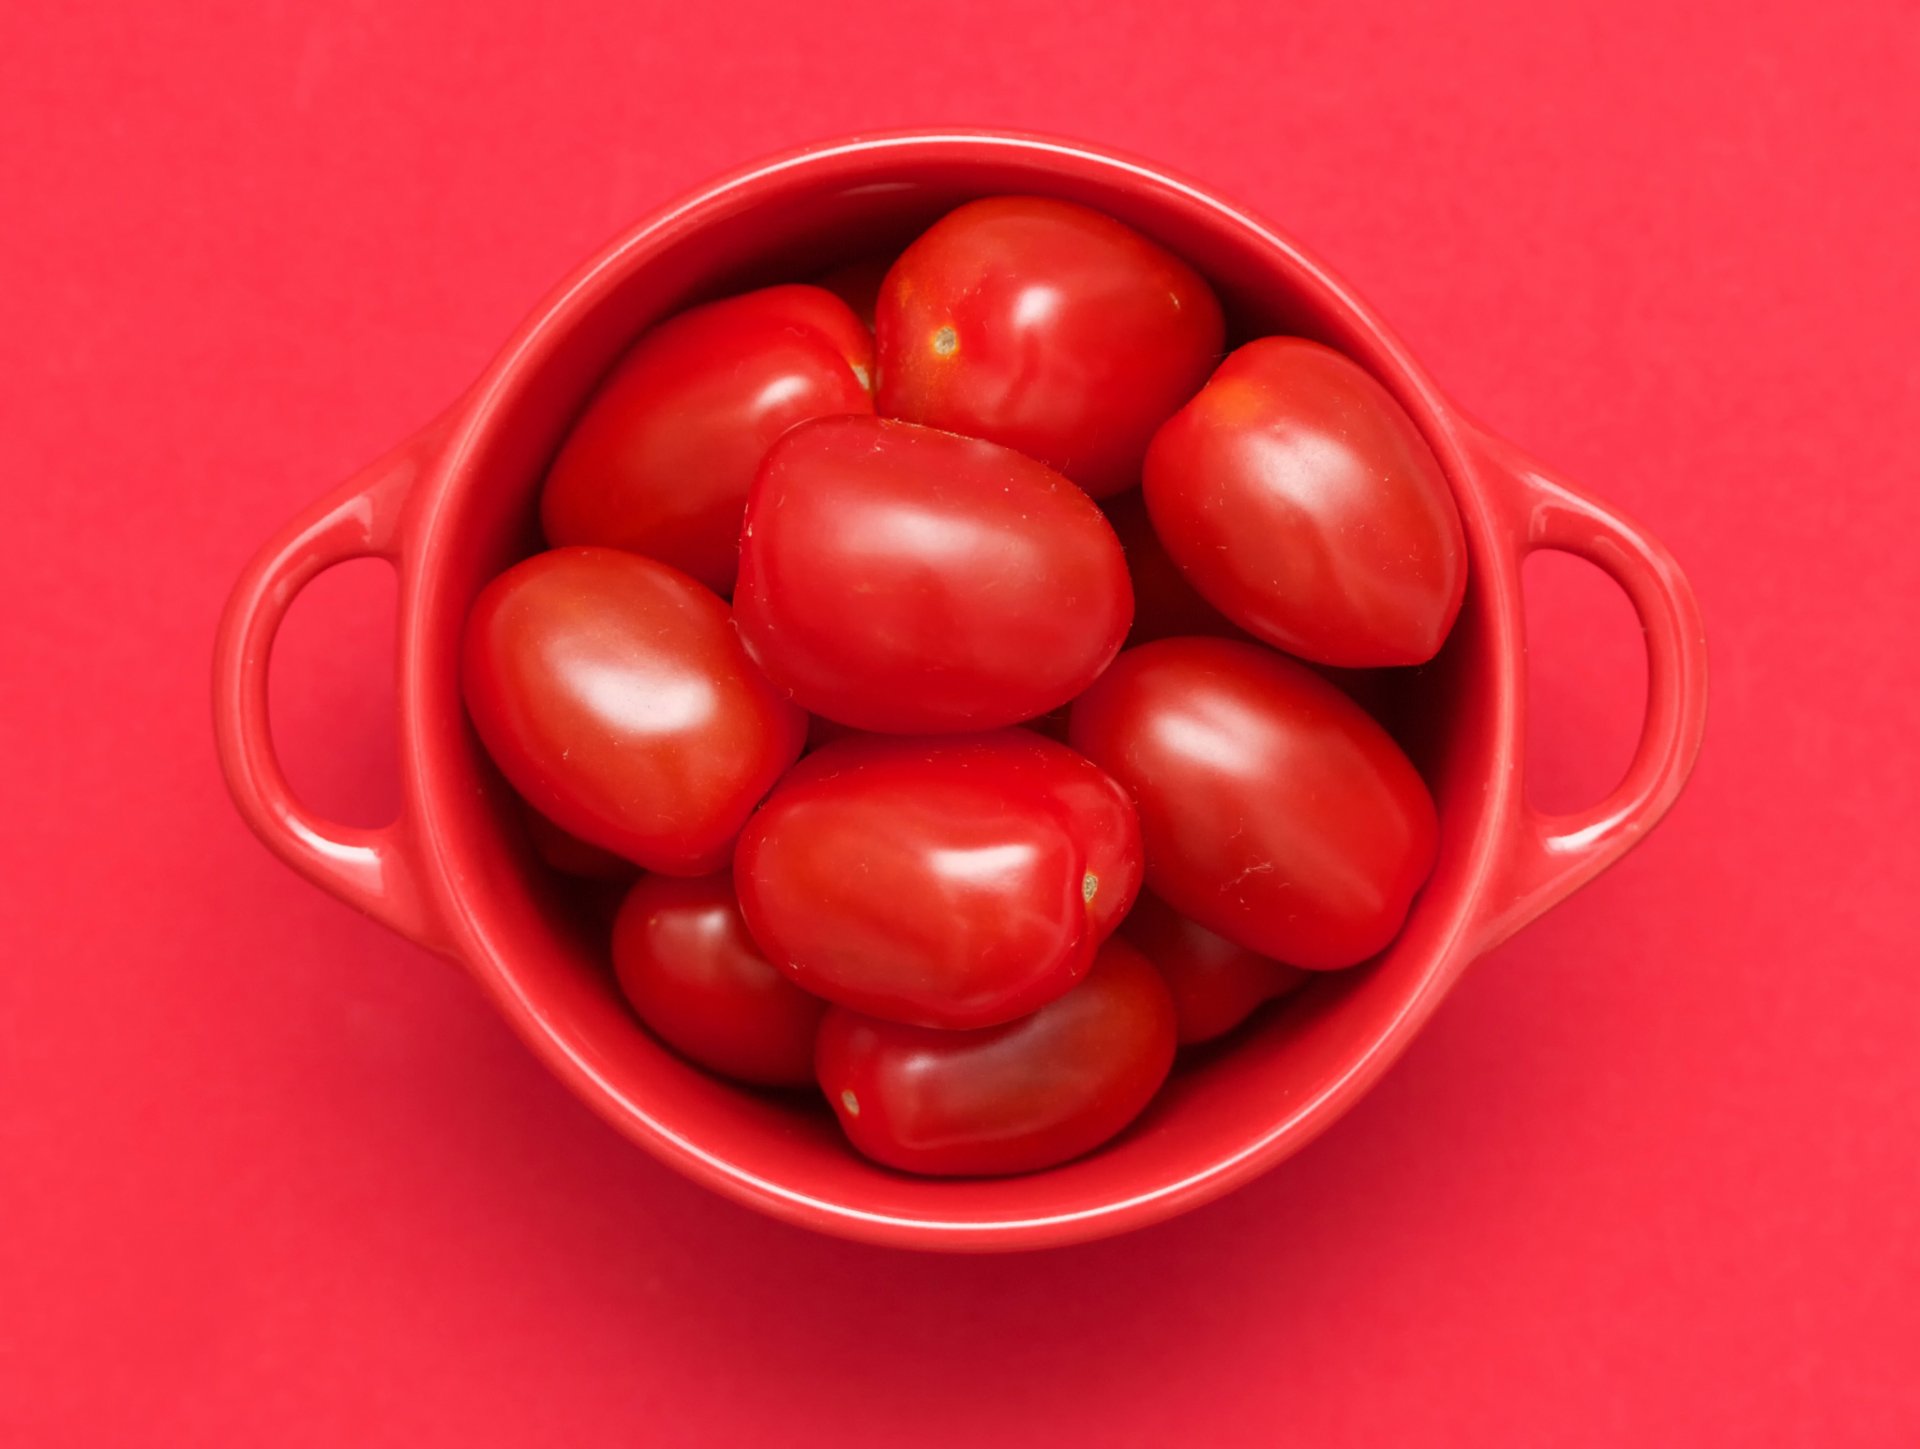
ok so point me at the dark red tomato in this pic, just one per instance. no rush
(569, 854)
(1274, 811)
(661, 460)
(1164, 603)
(908, 581)
(1048, 328)
(920, 880)
(1216, 985)
(858, 285)
(695, 976)
(1015, 1098)
(613, 695)
(1304, 503)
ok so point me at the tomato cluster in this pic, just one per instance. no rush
(901, 637)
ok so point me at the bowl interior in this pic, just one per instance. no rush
(538, 944)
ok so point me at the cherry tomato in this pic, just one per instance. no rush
(1032, 1093)
(1046, 327)
(695, 976)
(858, 285)
(928, 881)
(1216, 985)
(1274, 811)
(1164, 603)
(1304, 503)
(905, 580)
(569, 854)
(613, 695)
(661, 460)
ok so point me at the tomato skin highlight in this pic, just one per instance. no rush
(1049, 328)
(922, 880)
(1274, 811)
(612, 693)
(661, 460)
(1300, 499)
(1216, 985)
(1026, 1095)
(693, 974)
(903, 580)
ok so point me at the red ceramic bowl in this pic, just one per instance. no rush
(454, 505)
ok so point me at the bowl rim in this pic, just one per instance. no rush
(1495, 574)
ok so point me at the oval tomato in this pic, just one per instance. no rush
(569, 854)
(908, 581)
(1302, 501)
(1274, 811)
(920, 880)
(661, 460)
(613, 695)
(1164, 603)
(693, 973)
(1046, 327)
(1032, 1093)
(1215, 984)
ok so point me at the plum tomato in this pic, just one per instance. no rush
(1216, 984)
(613, 695)
(692, 972)
(908, 581)
(931, 881)
(1164, 603)
(661, 460)
(1046, 327)
(1273, 809)
(1029, 1094)
(1302, 501)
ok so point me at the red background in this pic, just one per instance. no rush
(268, 1176)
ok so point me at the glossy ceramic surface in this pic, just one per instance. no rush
(457, 503)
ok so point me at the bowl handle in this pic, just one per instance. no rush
(1549, 856)
(373, 869)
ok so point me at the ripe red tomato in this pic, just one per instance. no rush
(1164, 603)
(932, 881)
(1304, 503)
(695, 976)
(1216, 985)
(613, 695)
(1014, 1098)
(661, 460)
(569, 854)
(1049, 328)
(1274, 811)
(908, 581)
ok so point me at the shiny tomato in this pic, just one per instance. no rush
(569, 854)
(661, 460)
(1216, 984)
(1164, 603)
(905, 580)
(1049, 328)
(930, 881)
(1303, 502)
(613, 695)
(1274, 810)
(694, 975)
(1015, 1098)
